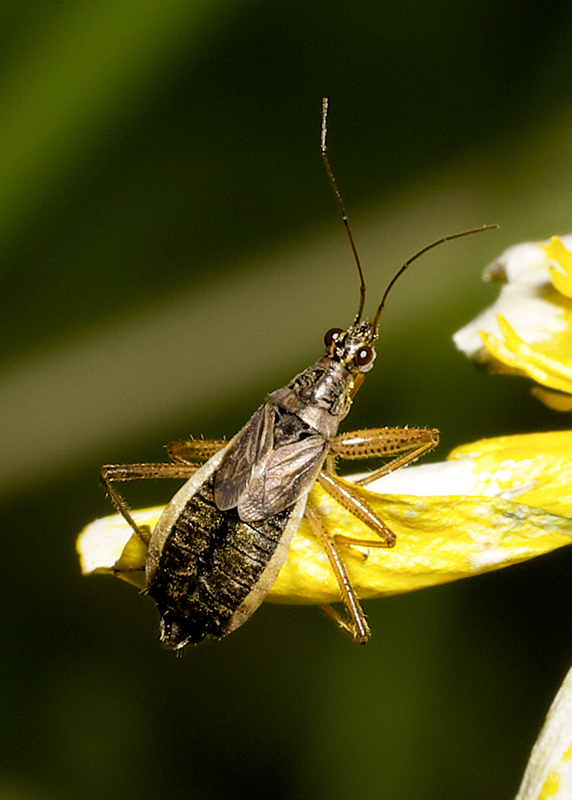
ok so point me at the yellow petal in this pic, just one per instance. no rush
(561, 273)
(518, 356)
(563, 283)
(554, 400)
(516, 504)
(535, 468)
(439, 539)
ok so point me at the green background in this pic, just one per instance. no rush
(170, 251)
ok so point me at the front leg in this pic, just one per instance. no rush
(402, 445)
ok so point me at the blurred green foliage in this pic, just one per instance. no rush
(158, 155)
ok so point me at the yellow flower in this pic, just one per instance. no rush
(491, 504)
(528, 330)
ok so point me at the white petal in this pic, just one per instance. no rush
(526, 269)
(522, 263)
(443, 478)
(101, 543)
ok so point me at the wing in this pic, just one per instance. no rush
(281, 477)
(245, 450)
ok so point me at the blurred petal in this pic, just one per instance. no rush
(514, 353)
(549, 770)
(528, 330)
(452, 520)
(554, 400)
(561, 269)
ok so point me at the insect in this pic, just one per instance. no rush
(221, 541)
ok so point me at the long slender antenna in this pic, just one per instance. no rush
(402, 269)
(341, 205)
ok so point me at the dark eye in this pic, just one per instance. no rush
(363, 356)
(333, 335)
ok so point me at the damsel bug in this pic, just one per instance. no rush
(221, 541)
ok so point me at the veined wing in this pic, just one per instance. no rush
(281, 477)
(245, 450)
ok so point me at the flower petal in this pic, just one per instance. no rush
(561, 271)
(518, 357)
(549, 770)
(439, 539)
(528, 330)
(536, 468)
(452, 520)
(555, 400)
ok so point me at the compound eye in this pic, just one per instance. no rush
(363, 356)
(332, 336)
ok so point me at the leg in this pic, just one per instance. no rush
(356, 624)
(349, 498)
(404, 445)
(129, 472)
(179, 452)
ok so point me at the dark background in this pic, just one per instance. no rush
(169, 252)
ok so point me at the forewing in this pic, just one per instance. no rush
(248, 447)
(281, 477)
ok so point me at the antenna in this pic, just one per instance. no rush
(401, 270)
(421, 252)
(336, 191)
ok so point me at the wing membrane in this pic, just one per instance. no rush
(281, 478)
(245, 451)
